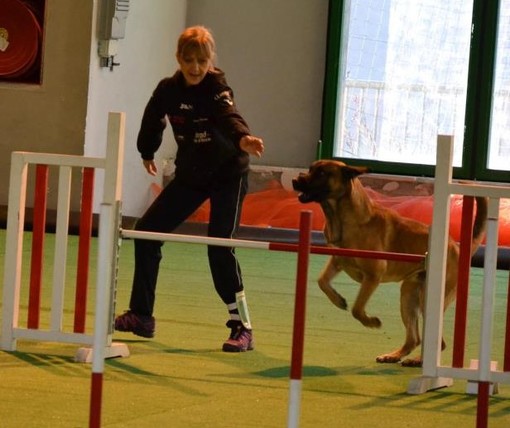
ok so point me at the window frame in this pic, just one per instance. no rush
(481, 71)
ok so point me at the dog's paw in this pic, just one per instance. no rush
(372, 322)
(388, 358)
(363, 318)
(339, 301)
(342, 303)
(412, 362)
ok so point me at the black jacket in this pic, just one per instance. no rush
(206, 125)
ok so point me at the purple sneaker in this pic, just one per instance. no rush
(240, 340)
(140, 325)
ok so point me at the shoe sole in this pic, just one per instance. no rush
(137, 333)
(144, 334)
(231, 348)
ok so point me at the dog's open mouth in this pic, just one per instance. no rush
(304, 196)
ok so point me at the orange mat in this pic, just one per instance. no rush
(279, 208)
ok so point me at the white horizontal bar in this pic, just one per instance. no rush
(52, 336)
(192, 239)
(473, 374)
(501, 377)
(61, 160)
(482, 190)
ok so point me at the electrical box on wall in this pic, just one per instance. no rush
(113, 16)
(111, 27)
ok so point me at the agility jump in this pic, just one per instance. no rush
(435, 374)
(101, 339)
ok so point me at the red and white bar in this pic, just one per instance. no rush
(274, 246)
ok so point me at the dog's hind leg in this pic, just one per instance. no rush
(410, 309)
(325, 278)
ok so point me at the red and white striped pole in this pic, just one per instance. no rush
(106, 251)
(109, 230)
(296, 367)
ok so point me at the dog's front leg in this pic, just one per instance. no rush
(325, 278)
(368, 286)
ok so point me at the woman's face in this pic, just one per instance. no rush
(194, 67)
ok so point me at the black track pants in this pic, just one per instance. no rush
(174, 205)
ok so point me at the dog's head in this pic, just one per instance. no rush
(325, 179)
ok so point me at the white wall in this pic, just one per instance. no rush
(146, 55)
(273, 53)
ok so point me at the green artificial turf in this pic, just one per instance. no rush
(182, 379)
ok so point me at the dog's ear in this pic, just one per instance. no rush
(350, 172)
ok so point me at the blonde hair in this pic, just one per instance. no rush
(197, 39)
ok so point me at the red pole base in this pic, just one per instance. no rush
(96, 392)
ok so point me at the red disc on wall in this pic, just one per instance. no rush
(19, 38)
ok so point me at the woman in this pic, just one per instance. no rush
(212, 161)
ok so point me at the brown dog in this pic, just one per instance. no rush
(353, 220)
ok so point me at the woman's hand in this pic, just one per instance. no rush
(150, 166)
(252, 145)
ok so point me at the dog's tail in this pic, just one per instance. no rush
(480, 223)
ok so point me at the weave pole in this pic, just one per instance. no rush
(298, 336)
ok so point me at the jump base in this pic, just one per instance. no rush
(424, 384)
(115, 350)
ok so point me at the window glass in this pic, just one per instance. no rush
(499, 139)
(403, 79)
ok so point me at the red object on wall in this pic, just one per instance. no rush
(20, 35)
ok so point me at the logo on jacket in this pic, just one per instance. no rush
(225, 98)
(184, 106)
(202, 137)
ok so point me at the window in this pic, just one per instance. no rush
(399, 73)
(499, 142)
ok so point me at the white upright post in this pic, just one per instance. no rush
(109, 232)
(489, 290)
(13, 253)
(436, 270)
